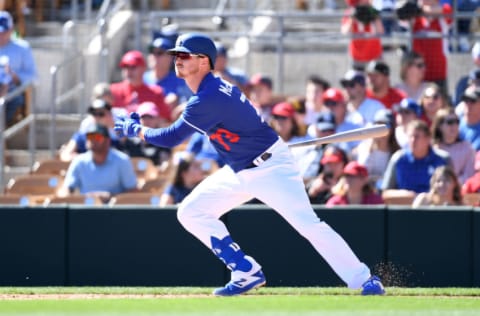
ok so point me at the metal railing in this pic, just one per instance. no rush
(28, 121)
(285, 32)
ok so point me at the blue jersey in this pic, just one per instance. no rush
(223, 113)
(470, 133)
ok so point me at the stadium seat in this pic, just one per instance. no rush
(14, 199)
(135, 198)
(79, 199)
(35, 186)
(51, 166)
(472, 199)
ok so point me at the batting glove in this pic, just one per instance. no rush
(129, 127)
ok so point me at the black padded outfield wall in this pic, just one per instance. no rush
(32, 246)
(146, 246)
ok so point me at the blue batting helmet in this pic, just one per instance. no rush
(195, 43)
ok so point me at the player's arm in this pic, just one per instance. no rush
(169, 136)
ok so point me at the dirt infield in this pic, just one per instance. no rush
(82, 296)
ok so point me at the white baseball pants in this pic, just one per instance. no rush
(277, 183)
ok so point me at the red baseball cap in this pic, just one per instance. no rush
(148, 108)
(283, 109)
(353, 168)
(132, 58)
(333, 94)
(332, 154)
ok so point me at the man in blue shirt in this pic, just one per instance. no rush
(17, 63)
(102, 170)
(409, 170)
(258, 164)
(161, 73)
(470, 119)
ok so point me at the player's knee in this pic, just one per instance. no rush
(184, 214)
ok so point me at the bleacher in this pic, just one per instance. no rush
(285, 39)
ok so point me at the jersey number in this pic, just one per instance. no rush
(222, 136)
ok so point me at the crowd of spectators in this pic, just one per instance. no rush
(429, 154)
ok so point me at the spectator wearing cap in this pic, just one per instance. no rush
(222, 68)
(354, 187)
(314, 89)
(161, 73)
(432, 100)
(470, 119)
(409, 170)
(446, 136)
(472, 184)
(99, 112)
(17, 65)
(355, 84)
(473, 77)
(407, 111)
(284, 123)
(102, 170)
(308, 157)
(435, 22)
(378, 73)
(132, 91)
(375, 153)
(365, 28)
(261, 95)
(412, 75)
(135, 147)
(332, 163)
(345, 119)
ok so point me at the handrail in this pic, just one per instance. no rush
(57, 100)
(28, 121)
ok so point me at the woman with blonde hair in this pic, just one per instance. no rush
(412, 75)
(446, 136)
(445, 189)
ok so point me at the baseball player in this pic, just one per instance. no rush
(258, 165)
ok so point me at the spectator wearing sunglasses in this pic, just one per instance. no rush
(431, 101)
(284, 123)
(446, 136)
(101, 170)
(355, 84)
(99, 112)
(129, 93)
(161, 73)
(470, 119)
(412, 75)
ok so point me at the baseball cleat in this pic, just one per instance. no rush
(241, 284)
(373, 286)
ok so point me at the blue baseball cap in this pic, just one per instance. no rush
(195, 43)
(160, 43)
(409, 105)
(6, 21)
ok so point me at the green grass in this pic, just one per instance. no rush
(266, 301)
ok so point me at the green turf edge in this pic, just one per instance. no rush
(263, 291)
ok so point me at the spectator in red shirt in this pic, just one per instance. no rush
(434, 47)
(354, 187)
(380, 89)
(472, 185)
(363, 23)
(132, 91)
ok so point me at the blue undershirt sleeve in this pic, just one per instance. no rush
(169, 136)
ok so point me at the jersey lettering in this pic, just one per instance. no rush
(222, 136)
(226, 88)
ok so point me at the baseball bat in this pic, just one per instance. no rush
(361, 133)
